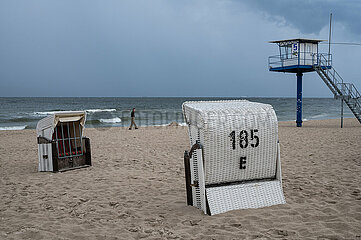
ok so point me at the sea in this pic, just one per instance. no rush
(17, 113)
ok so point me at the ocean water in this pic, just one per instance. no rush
(24, 112)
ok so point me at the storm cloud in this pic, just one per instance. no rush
(164, 47)
(311, 16)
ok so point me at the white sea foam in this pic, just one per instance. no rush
(88, 111)
(111, 120)
(101, 110)
(167, 124)
(45, 113)
(319, 116)
(156, 125)
(13, 128)
(303, 120)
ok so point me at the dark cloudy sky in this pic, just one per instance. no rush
(167, 47)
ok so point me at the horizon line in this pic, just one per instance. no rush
(163, 97)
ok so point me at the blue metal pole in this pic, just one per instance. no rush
(299, 99)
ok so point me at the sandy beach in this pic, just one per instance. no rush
(136, 189)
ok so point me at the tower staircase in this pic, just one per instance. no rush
(341, 90)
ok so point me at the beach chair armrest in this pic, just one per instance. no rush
(193, 148)
(43, 140)
(187, 168)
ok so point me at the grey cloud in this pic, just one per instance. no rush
(151, 48)
(311, 16)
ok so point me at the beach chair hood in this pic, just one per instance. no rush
(46, 126)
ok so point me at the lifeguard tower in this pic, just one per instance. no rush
(302, 55)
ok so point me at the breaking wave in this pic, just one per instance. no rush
(45, 113)
(13, 128)
(88, 111)
(101, 110)
(111, 120)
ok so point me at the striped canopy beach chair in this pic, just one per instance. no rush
(234, 161)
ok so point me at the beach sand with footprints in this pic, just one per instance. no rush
(136, 188)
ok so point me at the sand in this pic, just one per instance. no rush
(135, 188)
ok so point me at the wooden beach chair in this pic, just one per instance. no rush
(61, 145)
(234, 161)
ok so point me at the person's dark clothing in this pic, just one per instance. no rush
(132, 122)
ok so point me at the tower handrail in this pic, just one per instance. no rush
(300, 58)
(336, 78)
(323, 64)
(346, 91)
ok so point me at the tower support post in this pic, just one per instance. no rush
(341, 112)
(299, 99)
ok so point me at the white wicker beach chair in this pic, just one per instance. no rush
(234, 161)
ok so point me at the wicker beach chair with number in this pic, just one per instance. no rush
(234, 160)
(61, 145)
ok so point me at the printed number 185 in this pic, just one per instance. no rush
(245, 138)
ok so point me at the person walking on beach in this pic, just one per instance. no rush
(132, 116)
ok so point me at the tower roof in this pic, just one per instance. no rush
(301, 40)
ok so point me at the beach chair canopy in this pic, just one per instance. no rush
(46, 126)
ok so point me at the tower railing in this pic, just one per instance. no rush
(298, 59)
(341, 90)
(344, 89)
